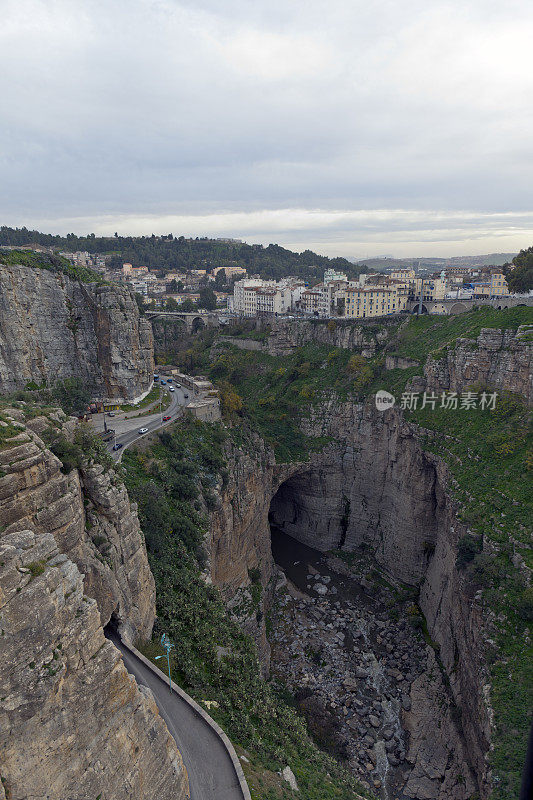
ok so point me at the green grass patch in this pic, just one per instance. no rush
(277, 392)
(52, 263)
(424, 335)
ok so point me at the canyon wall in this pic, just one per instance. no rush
(73, 722)
(498, 359)
(89, 514)
(374, 489)
(365, 337)
(53, 327)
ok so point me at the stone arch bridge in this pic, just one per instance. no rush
(193, 320)
(459, 306)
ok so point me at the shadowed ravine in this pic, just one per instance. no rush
(357, 667)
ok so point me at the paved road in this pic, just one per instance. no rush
(127, 430)
(211, 772)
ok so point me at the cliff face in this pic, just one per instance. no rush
(374, 487)
(89, 514)
(500, 359)
(73, 723)
(52, 328)
(366, 338)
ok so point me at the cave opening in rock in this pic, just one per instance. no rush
(305, 510)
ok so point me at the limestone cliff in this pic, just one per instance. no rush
(89, 514)
(73, 723)
(53, 327)
(498, 359)
(365, 337)
(374, 487)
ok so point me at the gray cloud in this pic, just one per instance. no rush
(412, 122)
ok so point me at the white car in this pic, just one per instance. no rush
(171, 389)
(143, 430)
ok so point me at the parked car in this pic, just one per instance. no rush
(110, 413)
(156, 377)
(178, 385)
(186, 396)
(117, 446)
(170, 380)
(143, 430)
(162, 382)
(166, 419)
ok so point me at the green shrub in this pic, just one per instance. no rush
(524, 607)
(37, 568)
(467, 548)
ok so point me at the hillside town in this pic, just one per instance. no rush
(373, 294)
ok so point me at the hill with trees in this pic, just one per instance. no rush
(168, 253)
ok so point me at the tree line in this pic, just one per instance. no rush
(167, 253)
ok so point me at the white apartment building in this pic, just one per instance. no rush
(431, 288)
(254, 295)
(404, 274)
(315, 301)
(332, 275)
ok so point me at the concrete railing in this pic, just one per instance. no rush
(202, 714)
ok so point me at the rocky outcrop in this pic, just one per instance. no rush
(497, 359)
(73, 724)
(89, 514)
(364, 337)
(53, 327)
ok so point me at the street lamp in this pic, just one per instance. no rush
(167, 644)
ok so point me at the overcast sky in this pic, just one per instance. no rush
(354, 128)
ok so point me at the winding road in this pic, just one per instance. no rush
(127, 429)
(212, 773)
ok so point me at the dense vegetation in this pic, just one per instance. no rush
(277, 392)
(53, 263)
(72, 395)
(168, 253)
(173, 481)
(520, 278)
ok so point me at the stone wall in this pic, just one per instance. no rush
(73, 723)
(361, 337)
(53, 327)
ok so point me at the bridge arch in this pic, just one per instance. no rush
(423, 310)
(197, 323)
(458, 308)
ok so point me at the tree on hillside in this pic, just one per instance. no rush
(173, 286)
(207, 299)
(520, 276)
(220, 278)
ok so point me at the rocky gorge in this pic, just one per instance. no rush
(373, 491)
(376, 491)
(341, 562)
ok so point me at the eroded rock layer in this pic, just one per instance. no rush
(89, 514)
(374, 488)
(52, 328)
(73, 723)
